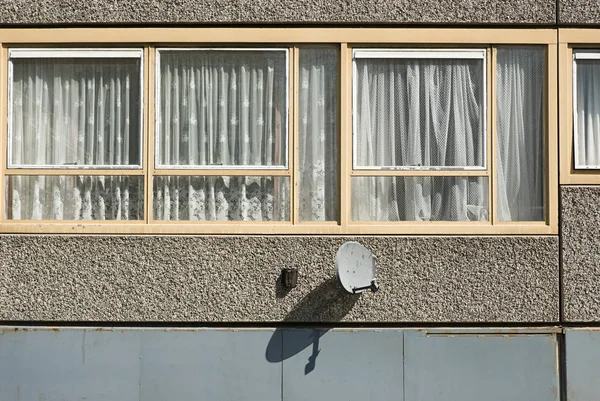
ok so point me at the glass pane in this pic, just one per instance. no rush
(521, 123)
(222, 198)
(74, 198)
(587, 114)
(318, 134)
(419, 199)
(419, 113)
(75, 112)
(223, 108)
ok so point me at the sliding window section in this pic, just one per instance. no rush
(586, 107)
(222, 150)
(74, 149)
(318, 133)
(521, 134)
(420, 137)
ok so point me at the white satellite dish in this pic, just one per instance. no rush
(355, 268)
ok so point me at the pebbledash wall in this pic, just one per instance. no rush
(491, 279)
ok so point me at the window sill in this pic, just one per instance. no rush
(277, 228)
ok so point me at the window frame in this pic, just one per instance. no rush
(580, 54)
(249, 168)
(421, 54)
(572, 41)
(345, 39)
(75, 53)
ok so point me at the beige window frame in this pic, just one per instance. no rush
(346, 39)
(571, 40)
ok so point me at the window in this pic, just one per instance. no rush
(521, 117)
(586, 108)
(578, 107)
(424, 111)
(75, 137)
(222, 109)
(419, 110)
(353, 131)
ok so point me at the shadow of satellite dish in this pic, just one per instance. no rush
(327, 303)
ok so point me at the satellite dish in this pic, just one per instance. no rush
(355, 268)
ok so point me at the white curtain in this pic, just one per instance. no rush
(419, 199)
(222, 108)
(419, 113)
(221, 198)
(318, 133)
(75, 197)
(74, 112)
(521, 126)
(587, 146)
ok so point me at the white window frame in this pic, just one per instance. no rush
(79, 53)
(455, 54)
(157, 119)
(580, 54)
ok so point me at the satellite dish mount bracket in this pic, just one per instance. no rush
(374, 287)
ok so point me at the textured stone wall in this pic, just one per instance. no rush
(579, 12)
(235, 279)
(581, 252)
(276, 11)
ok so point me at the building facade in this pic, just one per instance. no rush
(487, 263)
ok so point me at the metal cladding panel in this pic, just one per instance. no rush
(69, 365)
(151, 364)
(350, 365)
(208, 365)
(473, 366)
(583, 364)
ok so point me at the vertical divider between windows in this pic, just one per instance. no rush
(493, 140)
(293, 141)
(4, 124)
(346, 128)
(149, 131)
(552, 138)
(567, 111)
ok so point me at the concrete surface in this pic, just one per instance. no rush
(276, 11)
(581, 256)
(235, 279)
(579, 12)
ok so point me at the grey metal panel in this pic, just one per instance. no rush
(501, 331)
(208, 365)
(468, 366)
(583, 364)
(69, 365)
(342, 365)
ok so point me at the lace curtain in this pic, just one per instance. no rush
(75, 197)
(222, 198)
(587, 112)
(222, 108)
(318, 134)
(520, 116)
(415, 112)
(67, 112)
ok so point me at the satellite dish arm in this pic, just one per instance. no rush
(374, 287)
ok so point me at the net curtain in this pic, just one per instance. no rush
(76, 112)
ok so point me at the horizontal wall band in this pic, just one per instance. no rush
(270, 228)
(276, 35)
